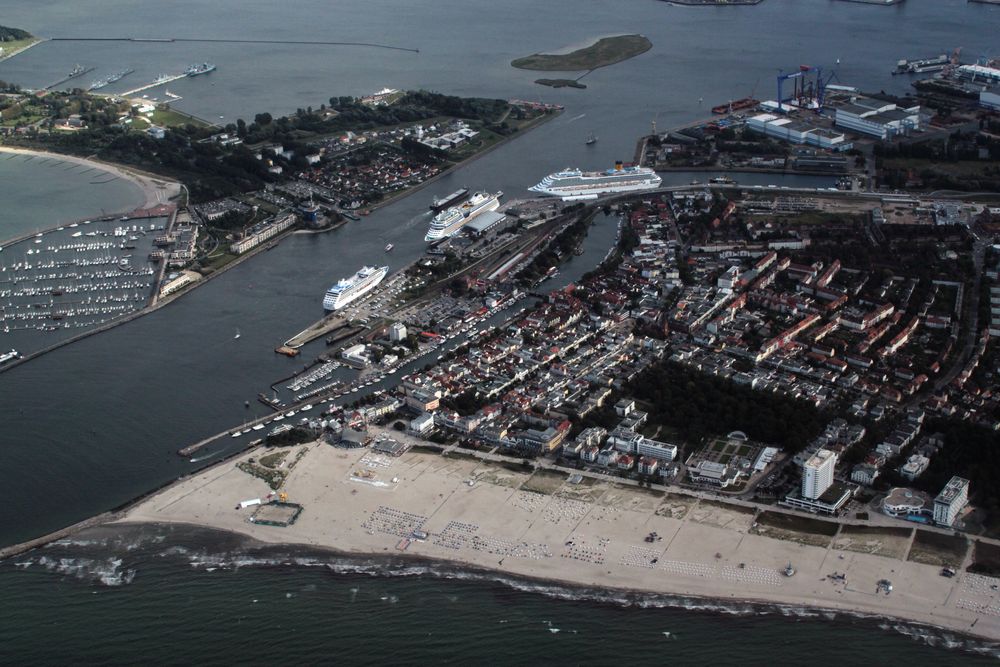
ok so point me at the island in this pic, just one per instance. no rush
(605, 51)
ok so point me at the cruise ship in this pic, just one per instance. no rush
(573, 184)
(448, 223)
(349, 289)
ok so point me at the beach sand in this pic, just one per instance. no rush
(591, 534)
(156, 190)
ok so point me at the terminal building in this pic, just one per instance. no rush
(876, 118)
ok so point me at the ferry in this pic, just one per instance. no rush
(448, 223)
(574, 184)
(452, 199)
(347, 290)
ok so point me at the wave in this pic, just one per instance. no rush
(389, 567)
(221, 552)
(108, 572)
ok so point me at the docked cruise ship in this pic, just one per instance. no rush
(449, 222)
(349, 289)
(572, 184)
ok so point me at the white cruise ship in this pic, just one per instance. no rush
(572, 184)
(349, 289)
(448, 222)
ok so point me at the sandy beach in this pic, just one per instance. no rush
(156, 190)
(590, 534)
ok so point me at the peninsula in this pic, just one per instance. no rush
(15, 40)
(605, 51)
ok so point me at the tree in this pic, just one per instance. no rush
(263, 118)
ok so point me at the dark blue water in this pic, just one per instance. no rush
(196, 597)
(96, 423)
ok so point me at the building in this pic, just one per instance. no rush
(914, 466)
(397, 332)
(648, 466)
(355, 355)
(710, 472)
(865, 473)
(796, 132)
(656, 450)
(817, 474)
(883, 120)
(624, 407)
(990, 98)
(260, 233)
(953, 497)
(907, 504)
(423, 424)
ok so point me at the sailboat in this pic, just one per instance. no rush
(592, 139)
(237, 334)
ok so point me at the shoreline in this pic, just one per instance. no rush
(150, 185)
(527, 539)
(374, 563)
(156, 190)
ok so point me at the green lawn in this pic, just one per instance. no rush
(16, 45)
(170, 118)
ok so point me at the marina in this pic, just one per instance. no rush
(78, 276)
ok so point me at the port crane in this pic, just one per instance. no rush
(805, 90)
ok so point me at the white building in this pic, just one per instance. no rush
(260, 233)
(422, 424)
(990, 98)
(953, 497)
(397, 332)
(914, 466)
(876, 118)
(817, 474)
(795, 132)
(657, 450)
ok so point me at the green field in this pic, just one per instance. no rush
(16, 45)
(603, 52)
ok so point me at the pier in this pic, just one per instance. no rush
(326, 325)
(155, 84)
(68, 78)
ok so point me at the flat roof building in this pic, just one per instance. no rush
(953, 497)
(817, 474)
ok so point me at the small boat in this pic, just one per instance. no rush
(237, 334)
(388, 247)
(257, 427)
(592, 139)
